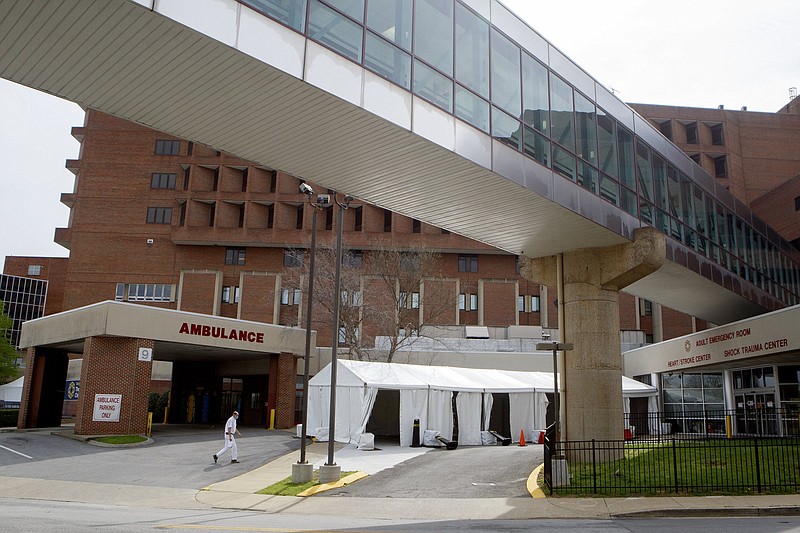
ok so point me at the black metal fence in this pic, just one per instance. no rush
(711, 466)
(713, 424)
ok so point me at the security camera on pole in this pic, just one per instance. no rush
(302, 470)
(330, 471)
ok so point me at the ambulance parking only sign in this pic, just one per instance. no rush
(106, 407)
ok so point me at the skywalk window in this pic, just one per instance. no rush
(289, 12)
(335, 31)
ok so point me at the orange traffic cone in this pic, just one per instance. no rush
(522, 437)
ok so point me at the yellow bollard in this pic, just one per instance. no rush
(149, 424)
(272, 419)
(166, 413)
(728, 426)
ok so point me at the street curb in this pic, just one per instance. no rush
(710, 513)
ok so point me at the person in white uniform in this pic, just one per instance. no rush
(230, 441)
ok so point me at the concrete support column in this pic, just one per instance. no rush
(591, 382)
(592, 396)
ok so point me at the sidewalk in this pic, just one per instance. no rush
(238, 493)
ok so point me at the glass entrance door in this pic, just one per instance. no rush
(755, 414)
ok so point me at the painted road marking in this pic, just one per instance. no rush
(16, 452)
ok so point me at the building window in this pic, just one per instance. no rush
(234, 256)
(416, 226)
(691, 133)
(359, 218)
(186, 173)
(291, 296)
(159, 215)
(215, 184)
(273, 181)
(387, 221)
(212, 214)
(34, 270)
(535, 303)
(241, 215)
(402, 300)
(717, 137)
(520, 304)
(144, 292)
(329, 218)
(645, 307)
(299, 221)
(182, 214)
(797, 203)
(467, 263)
(468, 302)
(292, 258)
(721, 167)
(164, 147)
(270, 216)
(160, 180)
(414, 300)
(230, 295)
(353, 259)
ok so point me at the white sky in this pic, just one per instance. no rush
(698, 53)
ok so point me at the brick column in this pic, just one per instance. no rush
(282, 384)
(592, 374)
(43, 392)
(111, 366)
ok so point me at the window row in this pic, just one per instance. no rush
(144, 292)
(528, 304)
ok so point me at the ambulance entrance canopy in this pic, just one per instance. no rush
(118, 343)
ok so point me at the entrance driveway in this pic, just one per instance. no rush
(179, 457)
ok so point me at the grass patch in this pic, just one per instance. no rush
(121, 439)
(285, 487)
(690, 467)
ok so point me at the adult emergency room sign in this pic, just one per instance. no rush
(107, 407)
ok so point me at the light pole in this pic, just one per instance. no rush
(330, 471)
(555, 347)
(302, 471)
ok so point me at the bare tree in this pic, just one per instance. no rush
(384, 292)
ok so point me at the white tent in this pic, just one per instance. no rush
(426, 394)
(12, 392)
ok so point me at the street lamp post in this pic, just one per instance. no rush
(555, 347)
(330, 471)
(302, 471)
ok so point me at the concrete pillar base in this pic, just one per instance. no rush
(330, 473)
(302, 472)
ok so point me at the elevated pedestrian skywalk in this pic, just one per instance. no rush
(455, 113)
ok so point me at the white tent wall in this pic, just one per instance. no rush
(426, 394)
(440, 412)
(468, 407)
(488, 402)
(12, 392)
(413, 405)
(652, 407)
(522, 412)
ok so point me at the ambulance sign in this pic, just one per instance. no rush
(106, 407)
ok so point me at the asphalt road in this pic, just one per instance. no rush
(466, 472)
(179, 457)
